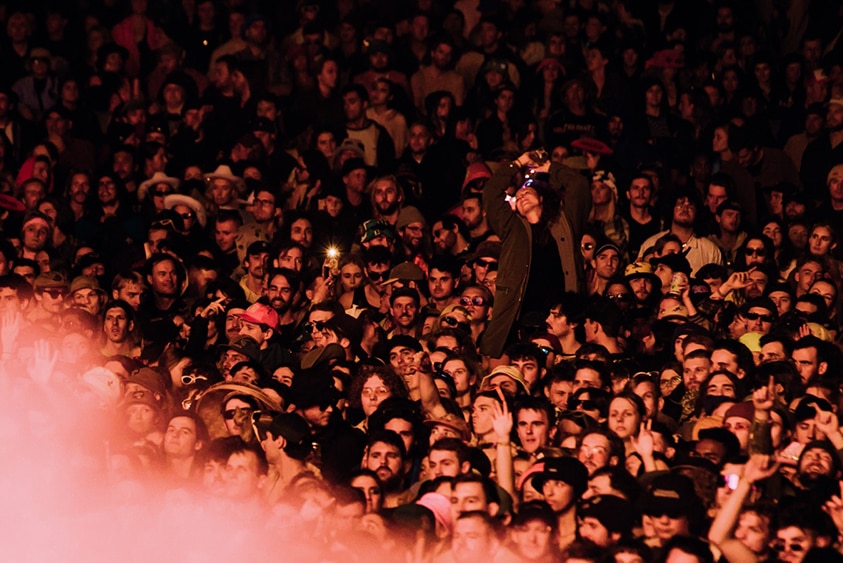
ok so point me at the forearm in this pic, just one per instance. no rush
(727, 516)
(431, 402)
(504, 467)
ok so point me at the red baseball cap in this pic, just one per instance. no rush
(261, 314)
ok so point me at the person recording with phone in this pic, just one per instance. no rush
(538, 257)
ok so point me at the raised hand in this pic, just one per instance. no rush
(9, 331)
(825, 421)
(644, 443)
(834, 508)
(764, 398)
(759, 467)
(501, 419)
(43, 362)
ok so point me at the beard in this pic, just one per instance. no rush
(389, 209)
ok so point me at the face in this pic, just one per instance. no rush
(404, 311)
(116, 325)
(241, 476)
(586, 377)
(386, 197)
(695, 371)
(826, 290)
(606, 263)
(374, 391)
(180, 439)
(472, 540)
(792, 544)
(821, 241)
(371, 489)
(474, 300)
(532, 429)
(443, 463)
(623, 418)
(640, 192)
(758, 319)
(527, 201)
(594, 452)
(385, 460)
(141, 418)
(472, 213)
(164, 278)
(236, 416)
(301, 231)
(481, 415)
(807, 363)
(224, 235)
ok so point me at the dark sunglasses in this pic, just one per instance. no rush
(757, 316)
(378, 276)
(161, 193)
(588, 246)
(622, 297)
(673, 514)
(545, 350)
(55, 293)
(755, 252)
(485, 263)
(586, 404)
(318, 325)
(452, 322)
(187, 215)
(231, 413)
(794, 547)
(477, 301)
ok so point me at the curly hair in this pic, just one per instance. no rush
(391, 380)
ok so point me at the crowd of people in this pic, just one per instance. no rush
(547, 280)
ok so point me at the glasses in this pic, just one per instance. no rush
(585, 404)
(593, 450)
(485, 263)
(229, 414)
(622, 297)
(378, 276)
(758, 316)
(187, 215)
(476, 301)
(265, 202)
(161, 193)
(673, 514)
(318, 326)
(755, 252)
(372, 392)
(545, 350)
(192, 377)
(793, 547)
(451, 321)
(587, 246)
(671, 381)
(55, 293)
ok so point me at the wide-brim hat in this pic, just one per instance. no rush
(173, 200)
(157, 178)
(224, 172)
(209, 403)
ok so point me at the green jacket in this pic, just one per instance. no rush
(514, 263)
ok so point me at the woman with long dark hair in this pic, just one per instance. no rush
(538, 255)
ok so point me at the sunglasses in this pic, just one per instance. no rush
(588, 246)
(755, 252)
(545, 350)
(622, 297)
(55, 293)
(192, 377)
(485, 263)
(673, 514)
(161, 193)
(188, 215)
(452, 322)
(794, 547)
(585, 404)
(757, 316)
(318, 325)
(476, 301)
(231, 413)
(378, 276)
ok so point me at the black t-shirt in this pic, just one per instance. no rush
(546, 277)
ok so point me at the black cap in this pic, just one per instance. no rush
(676, 262)
(565, 469)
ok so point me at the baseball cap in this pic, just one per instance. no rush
(639, 270)
(405, 271)
(676, 262)
(374, 228)
(565, 469)
(672, 494)
(453, 422)
(614, 512)
(259, 313)
(245, 345)
(291, 427)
